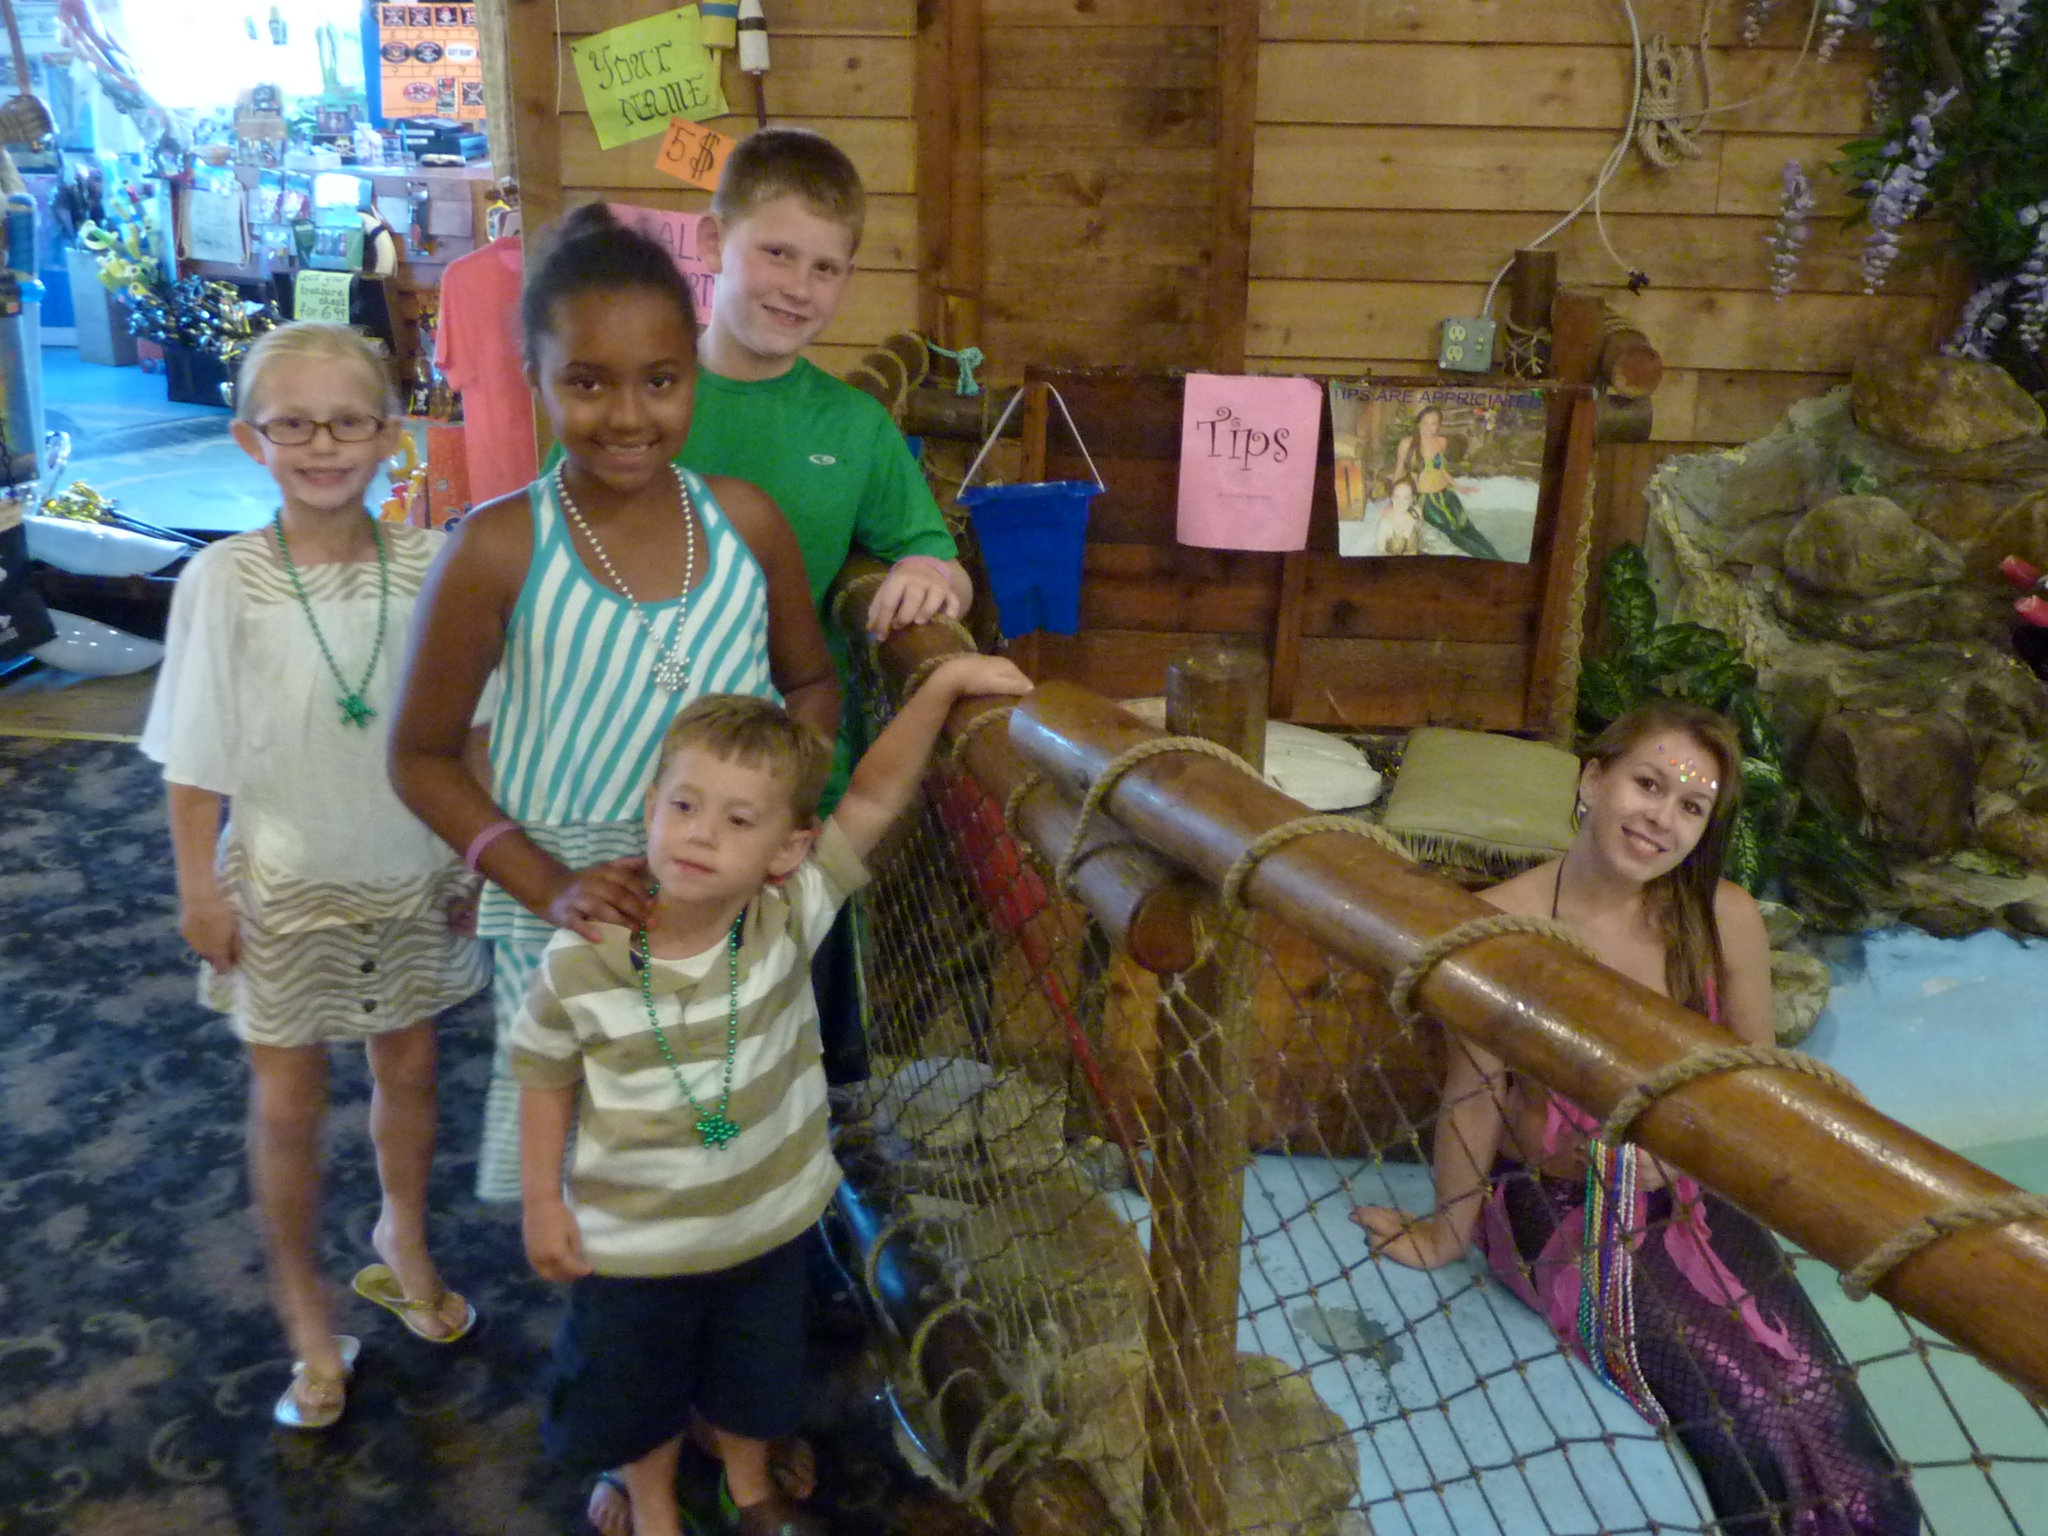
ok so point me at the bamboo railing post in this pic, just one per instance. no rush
(1198, 1149)
(1197, 1192)
(1809, 1160)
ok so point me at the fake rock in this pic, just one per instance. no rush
(1865, 546)
(1906, 780)
(1942, 404)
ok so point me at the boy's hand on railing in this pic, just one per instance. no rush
(1420, 1242)
(554, 1243)
(917, 589)
(965, 676)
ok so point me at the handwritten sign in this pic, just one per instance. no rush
(693, 153)
(1248, 461)
(213, 227)
(676, 233)
(637, 77)
(321, 296)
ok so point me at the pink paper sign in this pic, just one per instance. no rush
(676, 233)
(1248, 460)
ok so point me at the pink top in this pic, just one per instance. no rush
(1551, 1284)
(478, 347)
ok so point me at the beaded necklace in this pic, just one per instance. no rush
(714, 1126)
(354, 711)
(671, 667)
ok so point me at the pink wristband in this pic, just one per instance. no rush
(484, 839)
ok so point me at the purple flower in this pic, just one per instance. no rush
(1981, 321)
(1795, 203)
(1754, 15)
(2000, 27)
(1897, 195)
(1841, 17)
(2030, 302)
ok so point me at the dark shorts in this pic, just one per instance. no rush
(634, 1357)
(835, 983)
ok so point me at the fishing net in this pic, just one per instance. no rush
(1139, 1189)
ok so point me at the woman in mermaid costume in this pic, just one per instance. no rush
(1422, 454)
(1677, 1300)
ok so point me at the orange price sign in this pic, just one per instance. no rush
(693, 153)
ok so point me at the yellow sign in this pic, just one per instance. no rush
(321, 296)
(637, 77)
(693, 153)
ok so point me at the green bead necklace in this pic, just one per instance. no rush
(354, 711)
(714, 1126)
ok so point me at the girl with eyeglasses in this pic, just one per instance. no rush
(322, 910)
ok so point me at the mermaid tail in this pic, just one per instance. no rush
(1444, 512)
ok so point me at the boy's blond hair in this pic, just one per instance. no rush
(327, 343)
(780, 162)
(756, 733)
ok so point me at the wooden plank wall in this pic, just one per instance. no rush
(1405, 147)
(844, 67)
(1098, 145)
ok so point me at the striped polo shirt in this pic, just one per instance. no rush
(649, 1196)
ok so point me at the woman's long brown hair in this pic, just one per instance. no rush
(1682, 902)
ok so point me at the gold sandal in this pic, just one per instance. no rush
(376, 1282)
(317, 1401)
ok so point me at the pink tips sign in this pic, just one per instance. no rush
(1248, 460)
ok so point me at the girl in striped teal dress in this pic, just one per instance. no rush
(611, 592)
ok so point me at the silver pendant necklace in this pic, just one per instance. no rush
(671, 668)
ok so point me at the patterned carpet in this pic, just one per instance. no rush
(138, 1354)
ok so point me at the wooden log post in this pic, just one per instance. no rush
(1532, 285)
(1812, 1162)
(1218, 693)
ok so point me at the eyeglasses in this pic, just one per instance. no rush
(297, 431)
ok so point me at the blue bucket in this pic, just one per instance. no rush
(1031, 539)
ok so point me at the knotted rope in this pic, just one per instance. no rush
(967, 359)
(1401, 990)
(1662, 138)
(1113, 771)
(1705, 1062)
(1985, 1211)
(987, 720)
(1528, 350)
(1246, 864)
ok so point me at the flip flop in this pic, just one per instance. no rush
(376, 1282)
(691, 1525)
(292, 1412)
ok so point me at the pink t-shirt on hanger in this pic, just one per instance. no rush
(478, 347)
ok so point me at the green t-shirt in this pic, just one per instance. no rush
(832, 459)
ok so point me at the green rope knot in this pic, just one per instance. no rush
(967, 359)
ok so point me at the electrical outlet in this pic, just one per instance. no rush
(1465, 345)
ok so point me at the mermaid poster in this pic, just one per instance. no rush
(1424, 469)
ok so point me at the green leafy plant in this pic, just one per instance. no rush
(1785, 838)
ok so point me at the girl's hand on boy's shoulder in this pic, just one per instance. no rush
(915, 591)
(613, 893)
(210, 926)
(554, 1243)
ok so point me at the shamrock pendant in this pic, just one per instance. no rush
(672, 674)
(354, 711)
(715, 1128)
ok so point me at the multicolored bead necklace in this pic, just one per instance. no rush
(714, 1127)
(354, 711)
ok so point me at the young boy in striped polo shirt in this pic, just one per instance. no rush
(686, 1057)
